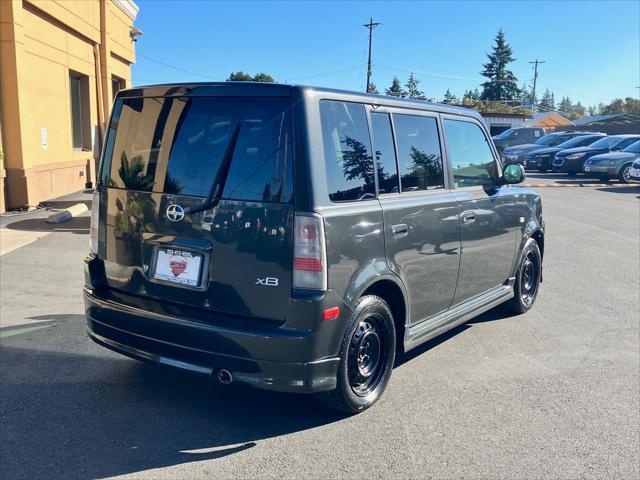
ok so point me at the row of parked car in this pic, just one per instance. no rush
(594, 154)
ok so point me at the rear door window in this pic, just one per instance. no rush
(471, 158)
(419, 154)
(385, 153)
(347, 151)
(174, 145)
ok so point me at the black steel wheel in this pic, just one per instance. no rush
(366, 358)
(528, 278)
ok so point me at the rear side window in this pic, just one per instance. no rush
(385, 153)
(174, 145)
(626, 143)
(419, 155)
(347, 151)
(471, 158)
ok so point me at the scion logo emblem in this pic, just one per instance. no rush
(175, 213)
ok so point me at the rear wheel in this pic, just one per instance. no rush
(527, 278)
(367, 354)
(625, 174)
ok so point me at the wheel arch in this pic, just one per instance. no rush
(393, 292)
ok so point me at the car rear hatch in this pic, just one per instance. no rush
(196, 200)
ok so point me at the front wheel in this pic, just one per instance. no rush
(367, 354)
(527, 278)
(625, 174)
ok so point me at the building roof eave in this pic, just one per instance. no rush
(129, 7)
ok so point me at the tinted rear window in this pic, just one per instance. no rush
(419, 155)
(174, 145)
(347, 151)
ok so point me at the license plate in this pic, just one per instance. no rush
(178, 266)
(587, 169)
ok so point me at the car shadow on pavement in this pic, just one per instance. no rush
(78, 225)
(71, 409)
(629, 190)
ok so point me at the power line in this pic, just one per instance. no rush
(175, 68)
(371, 25)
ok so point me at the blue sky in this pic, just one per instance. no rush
(591, 48)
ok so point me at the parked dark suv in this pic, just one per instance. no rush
(517, 136)
(297, 239)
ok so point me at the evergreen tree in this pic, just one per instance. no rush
(524, 96)
(502, 83)
(395, 90)
(412, 88)
(449, 98)
(565, 106)
(592, 110)
(579, 109)
(547, 103)
(373, 88)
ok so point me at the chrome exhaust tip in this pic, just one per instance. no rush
(224, 376)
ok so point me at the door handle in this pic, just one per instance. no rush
(468, 217)
(400, 230)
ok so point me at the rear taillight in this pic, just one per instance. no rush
(93, 232)
(309, 264)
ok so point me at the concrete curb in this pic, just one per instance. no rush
(67, 213)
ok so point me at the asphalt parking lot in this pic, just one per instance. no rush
(550, 394)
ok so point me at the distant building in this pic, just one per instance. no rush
(499, 122)
(61, 62)
(616, 124)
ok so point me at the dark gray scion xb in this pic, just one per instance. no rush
(298, 239)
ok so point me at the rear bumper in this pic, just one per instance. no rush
(269, 359)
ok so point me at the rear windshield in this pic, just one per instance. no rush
(174, 145)
(552, 140)
(606, 142)
(579, 141)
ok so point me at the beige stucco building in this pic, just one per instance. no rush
(61, 62)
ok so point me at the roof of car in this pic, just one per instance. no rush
(280, 89)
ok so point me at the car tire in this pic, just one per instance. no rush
(528, 279)
(624, 175)
(367, 353)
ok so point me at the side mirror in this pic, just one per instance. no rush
(513, 173)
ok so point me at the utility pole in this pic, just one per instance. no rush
(536, 62)
(371, 25)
